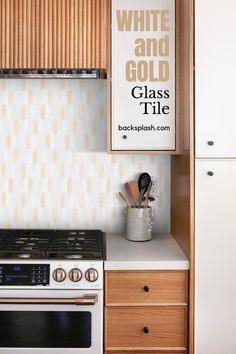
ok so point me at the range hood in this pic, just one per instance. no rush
(53, 73)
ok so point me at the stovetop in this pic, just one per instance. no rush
(51, 244)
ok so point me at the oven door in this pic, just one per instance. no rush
(51, 321)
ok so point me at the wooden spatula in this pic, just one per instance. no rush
(135, 191)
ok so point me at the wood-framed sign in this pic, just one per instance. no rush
(143, 75)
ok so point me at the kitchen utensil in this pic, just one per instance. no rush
(150, 199)
(147, 194)
(124, 199)
(135, 191)
(141, 194)
(129, 192)
(143, 183)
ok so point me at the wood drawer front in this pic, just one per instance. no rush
(127, 287)
(125, 328)
(145, 352)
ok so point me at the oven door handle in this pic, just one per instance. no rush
(84, 300)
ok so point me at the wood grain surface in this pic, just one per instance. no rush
(125, 327)
(182, 166)
(147, 352)
(126, 288)
(53, 34)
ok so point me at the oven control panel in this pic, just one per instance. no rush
(51, 274)
(24, 274)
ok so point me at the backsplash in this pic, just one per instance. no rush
(54, 169)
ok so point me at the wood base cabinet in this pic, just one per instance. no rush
(152, 317)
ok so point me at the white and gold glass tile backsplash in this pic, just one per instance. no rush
(54, 169)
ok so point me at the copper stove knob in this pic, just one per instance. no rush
(59, 275)
(91, 275)
(75, 275)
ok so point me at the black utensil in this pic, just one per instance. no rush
(143, 183)
(150, 199)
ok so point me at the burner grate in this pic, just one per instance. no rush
(56, 244)
(76, 244)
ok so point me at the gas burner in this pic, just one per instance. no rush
(55, 244)
(73, 256)
(28, 248)
(24, 255)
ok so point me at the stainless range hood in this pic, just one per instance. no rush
(52, 74)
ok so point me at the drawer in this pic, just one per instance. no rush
(144, 352)
(146, 288)
(166, 326)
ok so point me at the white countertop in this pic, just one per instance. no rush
(162, 252)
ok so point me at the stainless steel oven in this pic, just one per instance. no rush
(54, 318)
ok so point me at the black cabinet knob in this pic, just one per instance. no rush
(146, 288)
(210, 173)
(124, 136)
(210, 143)
(146, 330)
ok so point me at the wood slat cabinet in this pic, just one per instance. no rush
(146, 312)
(53, 34)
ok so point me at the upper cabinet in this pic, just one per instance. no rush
(143, 73)
(53, 34)
(215, 74)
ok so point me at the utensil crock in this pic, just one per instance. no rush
(139, 223)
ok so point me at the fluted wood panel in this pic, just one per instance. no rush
(53, 33)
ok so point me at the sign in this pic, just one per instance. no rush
(143, 75)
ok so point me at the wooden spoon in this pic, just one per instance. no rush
(129, 192)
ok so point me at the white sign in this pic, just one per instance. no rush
(143, 75)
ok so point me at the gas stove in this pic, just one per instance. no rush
(55, 259)
(51, 291)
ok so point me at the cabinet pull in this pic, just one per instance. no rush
(124, 136)
(146, 330)
(210, 143)
(210, 173)
(146, 288)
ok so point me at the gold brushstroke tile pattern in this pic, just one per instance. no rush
(54, 169)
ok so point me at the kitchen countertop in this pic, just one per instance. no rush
(162, 252)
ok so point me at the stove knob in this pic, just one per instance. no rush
(91, 274)
(59, 275)
(75, 275)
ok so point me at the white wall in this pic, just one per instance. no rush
(54, 171)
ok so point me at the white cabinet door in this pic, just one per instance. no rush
(215, 257)
(215, 73)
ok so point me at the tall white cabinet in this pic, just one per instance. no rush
(215, 269)
(215, 68)
(215, 182)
